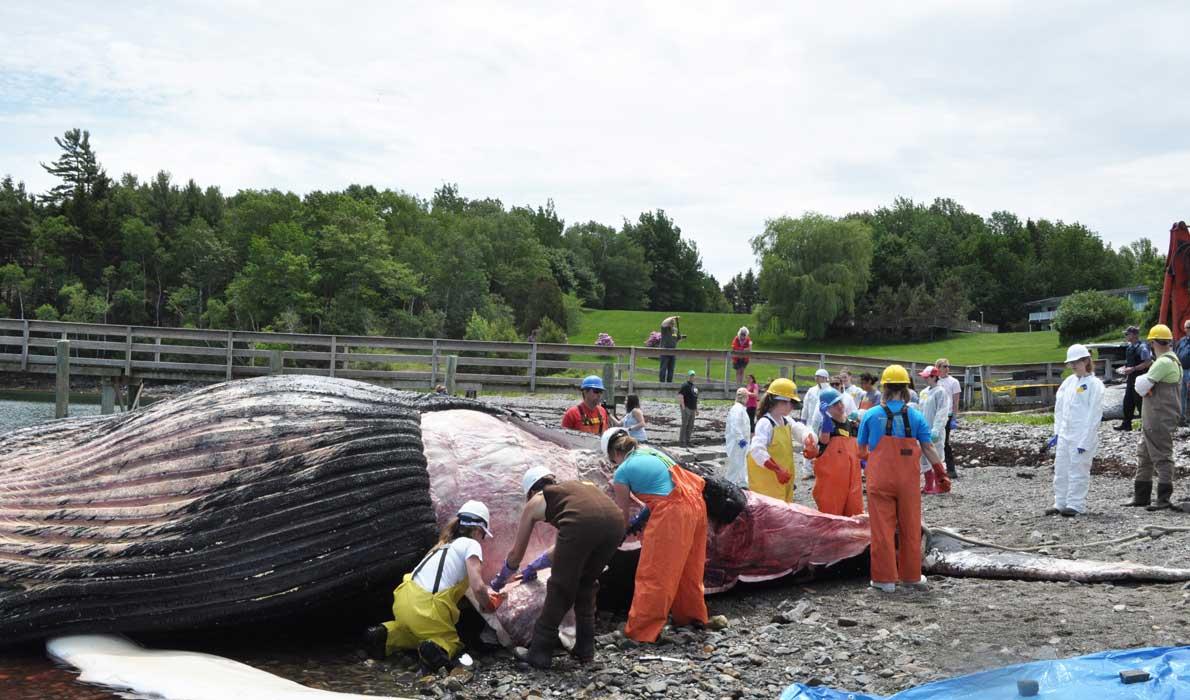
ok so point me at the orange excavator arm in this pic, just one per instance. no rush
(1175, 294)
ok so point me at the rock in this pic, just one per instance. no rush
(656, 686)
(847, 622)
(718, 622)
(1119, 608)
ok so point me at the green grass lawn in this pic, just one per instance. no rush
(715, 331)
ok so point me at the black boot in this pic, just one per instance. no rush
(375, 642)
(584, 641)
(1164, 491)
(1142, 494)
(541, 650)
(432, 657)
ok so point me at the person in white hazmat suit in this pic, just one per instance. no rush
(1077, 413)
(812, 417)
(739, 434)
(935, 407)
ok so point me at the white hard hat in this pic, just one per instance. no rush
(1077, 352)
(475, 514)
(606, 438)
(532, 476)
(822, 373)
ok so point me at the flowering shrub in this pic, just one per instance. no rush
(605, 340)
(654, 339)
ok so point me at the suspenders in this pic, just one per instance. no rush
(441, 565)
(888, 424)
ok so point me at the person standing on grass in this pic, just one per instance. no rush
(952, 387)
(688, 401)
(1137, 359)
(1077, 413)
(670, 336)
(753, 398)
(741, 352)
(1182, 350)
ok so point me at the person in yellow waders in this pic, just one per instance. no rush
(777, 438)
(426, 604)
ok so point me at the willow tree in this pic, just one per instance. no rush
(812, 270)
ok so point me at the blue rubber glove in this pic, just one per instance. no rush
(638, 521)
(953, 423)
(828, 423)
(529, 573)
(743, 444)
(1053, 441)
(1082, 450)
(863, 464)
(502, 577)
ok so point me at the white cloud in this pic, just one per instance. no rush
(722, 115)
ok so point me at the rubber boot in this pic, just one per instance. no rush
(541, 650)
(1142, 494)
(1164, 491)
(584, 641)
(376, 642)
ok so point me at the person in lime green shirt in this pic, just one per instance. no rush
(1159, 386)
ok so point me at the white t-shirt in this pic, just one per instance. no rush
(952, 387)
(455, 568)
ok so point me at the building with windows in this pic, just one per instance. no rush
(1041, 311)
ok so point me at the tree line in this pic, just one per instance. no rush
(358, 261)
(912, 269)
(385, 262)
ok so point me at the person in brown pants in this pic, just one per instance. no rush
(590, 528)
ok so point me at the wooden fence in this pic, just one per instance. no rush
(135, 353)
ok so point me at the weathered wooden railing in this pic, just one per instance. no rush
(132, 353)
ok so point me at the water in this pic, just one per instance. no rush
(19, 411)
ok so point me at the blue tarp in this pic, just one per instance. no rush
(1094, 676)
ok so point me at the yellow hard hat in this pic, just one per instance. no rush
(894, 374)
(783, 387)
(1160, 332)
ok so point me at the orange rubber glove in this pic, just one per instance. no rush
(782, 475)
(943, 479)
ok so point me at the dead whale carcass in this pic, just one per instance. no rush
(259, 498)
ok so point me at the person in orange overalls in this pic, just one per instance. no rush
(673, 548)
(838, 484)
(892, 438)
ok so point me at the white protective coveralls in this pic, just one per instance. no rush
(812, 417)
(739, 429)
(935, 407)
(1077, 414)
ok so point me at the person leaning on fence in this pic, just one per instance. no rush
(589, 415)
(1155, 454)
(741, 352)
(1137, 359)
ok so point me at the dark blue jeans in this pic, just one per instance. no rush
(667, 368)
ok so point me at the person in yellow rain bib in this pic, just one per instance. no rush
(426, 604)
(777, 438)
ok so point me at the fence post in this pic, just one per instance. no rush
(1107, 373)
(783, 371)
(334, 353)
(231, 344)
(533, 368)
(609, 383)
(708, 370)
(25, 345)
(821, 360)
(985, 388)
(1049, 384)
(128, 352)
(452, 364)
(62, 387)
(276, 362)
(968, 394)
(157, 352)
(632, 370)
(434, 364)
(107, 396)
(727, 375)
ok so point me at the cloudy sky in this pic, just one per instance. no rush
(722, 114)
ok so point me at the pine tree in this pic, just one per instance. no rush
(77, 167)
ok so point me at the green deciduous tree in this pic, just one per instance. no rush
(1083, 315)
(813, 269)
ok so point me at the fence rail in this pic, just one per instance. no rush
(133, 353)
